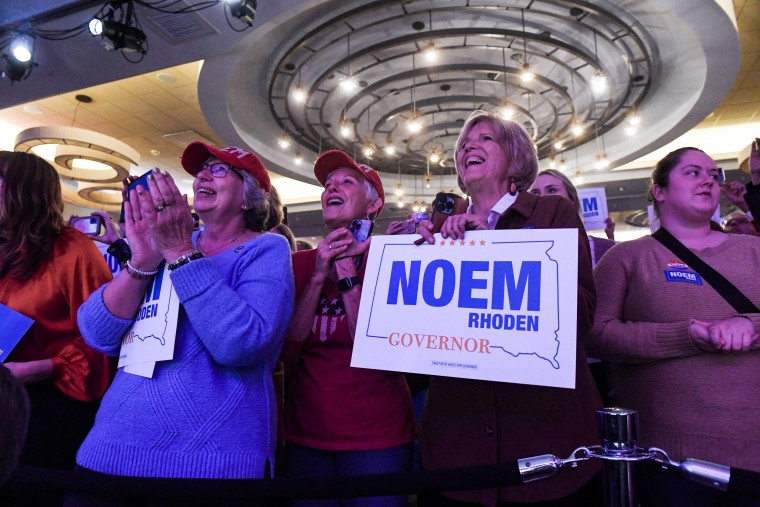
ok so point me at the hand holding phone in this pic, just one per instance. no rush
(140, 181)
(361, 229)
(445, 205)
(92, 224)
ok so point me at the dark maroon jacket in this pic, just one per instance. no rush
(474, 422)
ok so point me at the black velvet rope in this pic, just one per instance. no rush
(269, 490)
(744, 482)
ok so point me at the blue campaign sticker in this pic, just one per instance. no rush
(674, 275)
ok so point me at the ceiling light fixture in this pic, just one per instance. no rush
(526, 75)
(414, 124)
(578, 128)
(284, 141)
(430, 52)
(299, 95)
(632, 123)
(348, 83)
(345, 129)
(390, 150)
(298, 92)
(599, 79)
(507, 110)
(95, 162)
(399, 187)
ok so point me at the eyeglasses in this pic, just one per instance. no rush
(218, 169)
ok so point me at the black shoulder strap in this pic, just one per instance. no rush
(730, 293)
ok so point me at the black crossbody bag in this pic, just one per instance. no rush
(726, 289)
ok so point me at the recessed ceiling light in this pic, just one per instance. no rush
(166, 77)
(32, 109)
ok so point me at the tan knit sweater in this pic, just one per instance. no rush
(692, 404)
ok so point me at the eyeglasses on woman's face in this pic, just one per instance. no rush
(217, 169)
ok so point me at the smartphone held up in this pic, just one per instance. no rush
(92, 224)
(361, 229)
(140, 181)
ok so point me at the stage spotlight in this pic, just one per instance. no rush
(22, 47)
(19, 62)
(17, 71)
(244, 10)
(121, 35)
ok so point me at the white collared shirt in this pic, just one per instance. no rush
(501, 206)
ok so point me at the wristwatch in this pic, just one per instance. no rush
(120, 250)
(345, 284)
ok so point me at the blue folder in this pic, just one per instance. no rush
(13, 326)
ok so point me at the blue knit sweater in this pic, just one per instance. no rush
(211, 411)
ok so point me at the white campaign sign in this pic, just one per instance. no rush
(499, 305)
(151, 337)
(593, 207)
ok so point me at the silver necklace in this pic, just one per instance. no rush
(217, 247)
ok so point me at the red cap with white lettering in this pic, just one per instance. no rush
(334, 159)
(197, 153)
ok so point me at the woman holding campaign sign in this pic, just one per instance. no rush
(473, 422)
(210, 411)
(341, 421)
(47, 270)
(684, 342)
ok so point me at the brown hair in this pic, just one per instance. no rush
(31, 213)
(661, 173)
(569, 187)
(517, 144)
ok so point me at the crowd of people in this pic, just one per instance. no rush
(260, 381)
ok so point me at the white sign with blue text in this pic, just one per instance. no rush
(498, 305)
(593, 207)
(151, 337)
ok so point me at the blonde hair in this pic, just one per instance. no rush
(517, 144)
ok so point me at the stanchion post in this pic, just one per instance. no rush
(619, 431)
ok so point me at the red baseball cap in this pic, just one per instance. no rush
(334, 159)
(197, 152)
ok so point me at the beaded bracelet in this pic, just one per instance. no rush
(138, 274)
(184, 259)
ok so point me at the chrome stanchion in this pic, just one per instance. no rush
(619, 431)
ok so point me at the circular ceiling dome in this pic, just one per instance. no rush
(610, 80)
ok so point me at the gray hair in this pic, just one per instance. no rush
(255, 203)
